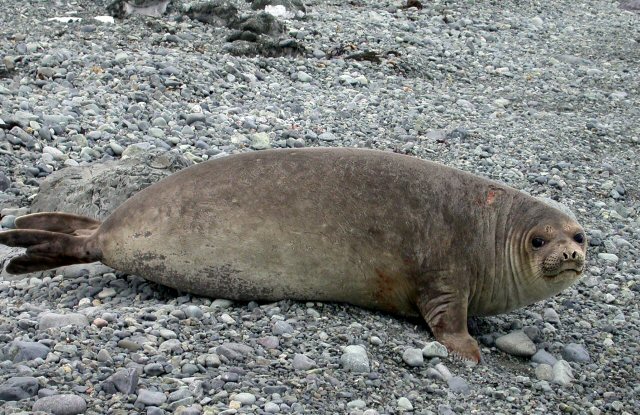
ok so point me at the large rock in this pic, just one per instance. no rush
(216, 12)
(18, 388)
(20, 351)
(98, 189)
(152, 8)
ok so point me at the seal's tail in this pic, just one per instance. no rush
(52, 240)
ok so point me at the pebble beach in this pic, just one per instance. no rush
(542, 96)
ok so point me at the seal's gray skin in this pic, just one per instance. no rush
(370, 228)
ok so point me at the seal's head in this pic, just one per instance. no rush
(551, 249)
(542, 251)
(557, 249)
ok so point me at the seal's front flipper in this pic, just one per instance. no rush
(446, 313)
(58, 222)
(47, 249)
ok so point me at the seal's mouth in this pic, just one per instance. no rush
(569, 272)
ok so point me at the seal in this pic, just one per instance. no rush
(370, 228)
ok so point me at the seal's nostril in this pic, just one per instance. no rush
(575, 255)
(565, 255)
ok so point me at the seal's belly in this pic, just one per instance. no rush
(261, 258)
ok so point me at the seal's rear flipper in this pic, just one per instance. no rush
(52, 240)
(58, 222)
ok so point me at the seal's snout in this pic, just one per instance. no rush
(575, 256)
(566, 257)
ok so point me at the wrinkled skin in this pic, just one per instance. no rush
(370, 228)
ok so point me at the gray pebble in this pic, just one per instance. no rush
(148, 397)
(304, 77)
(221, 303)
(327, 136)
(302, 362)
(171, 346)
(516, 343)
(106, 292)
(188, 410)
(64, 404)
(124, 381)
(20, 351)
(8, 222)
(375, 340)
(53, 320)
(195, 117)
(551, 316)
(116, 148)
(180, 394)
(445, 410)
(542, 356)
(562, 373)
(404, 404)
(153, 369)
(156, 132)
(413, 357)
(271, 408)
(356, 404)
(269, 342)
(544, 372)
(5, 182)
(260, 141)
(104, 356)
(610, 259)
(282, 327)
(245, 398)
(19, 387)
(167, 334)
(57, 154)
(234, 351)
(459, 385)
(574, 352)
(434, 349)
(193, 311)
(354, 358)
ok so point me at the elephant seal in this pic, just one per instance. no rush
(370, 228)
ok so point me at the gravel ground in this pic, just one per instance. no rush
(543, 96)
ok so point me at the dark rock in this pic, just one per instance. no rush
(633, 5)
(217, 12)
(124, 381)
(234, 351)
(96, 190)
(264, 46)
(5, 182)
(123, 8)
(260, 24)
(574, 352)
(20, 351)
(17, 388)
(64, 404)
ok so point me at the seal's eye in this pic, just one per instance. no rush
(578, 237)
(537, 242)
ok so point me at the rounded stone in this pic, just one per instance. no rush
(404, 404)
(544, 372)
(64, 404)
(355, 359)
(413, 357)
(302, 362)
(574, 352)
(516, 343)
(245, 398)
(434, 349)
